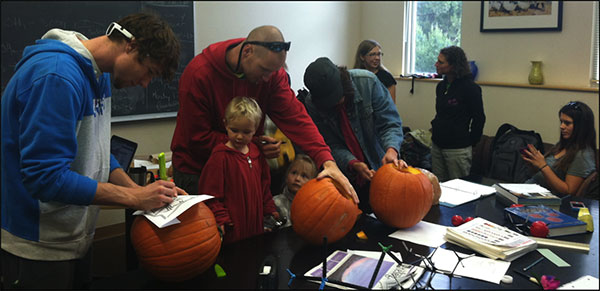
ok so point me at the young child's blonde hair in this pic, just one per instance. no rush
(303, 158)
(243, 107)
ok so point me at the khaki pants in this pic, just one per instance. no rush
(448, 164)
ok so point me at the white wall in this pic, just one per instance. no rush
(501, 57)
(315, 28)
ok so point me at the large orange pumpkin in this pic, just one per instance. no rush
(320, 210)
(400, 198)
(181, 251)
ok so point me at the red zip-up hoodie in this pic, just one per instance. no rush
(206, 87)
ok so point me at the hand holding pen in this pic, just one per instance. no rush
(270, 147)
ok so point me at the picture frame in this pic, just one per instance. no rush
(502, 16)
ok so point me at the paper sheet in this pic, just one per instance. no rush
(456, 192)
(423, 233)
(148, 164)
(475, 267)
(165, 216)
(524, 188)
(466, 186)
(586, 282)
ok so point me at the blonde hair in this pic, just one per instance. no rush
(303, 158)
(243, 107)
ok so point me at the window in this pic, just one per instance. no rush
(430, 26)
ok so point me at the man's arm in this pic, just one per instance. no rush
(291, 117)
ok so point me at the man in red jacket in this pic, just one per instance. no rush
(250, 67)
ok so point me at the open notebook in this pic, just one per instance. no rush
(456, 192)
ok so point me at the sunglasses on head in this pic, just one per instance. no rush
(115, 26)
(574, 104)
(275, 46)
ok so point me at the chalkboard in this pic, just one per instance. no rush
(23, 22)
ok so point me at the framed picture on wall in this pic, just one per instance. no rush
(521, 16)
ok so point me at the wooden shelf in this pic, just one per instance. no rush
(514, 85)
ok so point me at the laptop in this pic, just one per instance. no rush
(123, 150)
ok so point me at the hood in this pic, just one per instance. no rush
(254, 151)
(59, 41)
(215, 54)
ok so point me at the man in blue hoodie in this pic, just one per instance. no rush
(56, 161)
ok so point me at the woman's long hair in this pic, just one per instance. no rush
(455, 56)
(582, 137)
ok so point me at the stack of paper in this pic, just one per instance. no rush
(526, 194)
(456, 192)
(491, 240)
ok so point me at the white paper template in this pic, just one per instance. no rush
(165, 216)
(472, 266)
(423, 233)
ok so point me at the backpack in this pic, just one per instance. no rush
(507, 164)
(414, 152)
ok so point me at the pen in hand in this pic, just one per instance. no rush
(266, 142)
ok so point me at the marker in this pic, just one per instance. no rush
(533, 264)
(266, 142)
(531, 279)
(162, 167)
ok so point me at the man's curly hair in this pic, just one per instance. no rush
(153, 38)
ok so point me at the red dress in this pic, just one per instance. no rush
(241, 186)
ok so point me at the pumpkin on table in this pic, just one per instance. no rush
(181, 251)
(322, 209)
(400, 197)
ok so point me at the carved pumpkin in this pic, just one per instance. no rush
(181, 251)
(319, 209)
(400, 198)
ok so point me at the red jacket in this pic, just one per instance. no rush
(206, 87)
(240, 184)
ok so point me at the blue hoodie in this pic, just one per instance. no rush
(55, 149)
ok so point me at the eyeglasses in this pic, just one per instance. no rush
(275, 46)
(115, 26)
(379, 54)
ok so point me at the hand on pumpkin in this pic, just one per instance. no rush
(363, 170)
(330, 169)
(156, 195)
(391, 156)
(270, 147)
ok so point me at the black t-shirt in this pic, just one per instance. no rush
(385, 77)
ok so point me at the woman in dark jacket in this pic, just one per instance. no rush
(459, 118)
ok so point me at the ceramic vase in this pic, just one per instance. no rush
(474, 70)
(535, 76)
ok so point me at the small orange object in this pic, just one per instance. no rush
(361, 234)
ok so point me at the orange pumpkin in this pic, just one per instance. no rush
(178, 252)
(320, 210)
(400, 198)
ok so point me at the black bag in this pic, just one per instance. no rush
(507, 164)
(415, 153)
